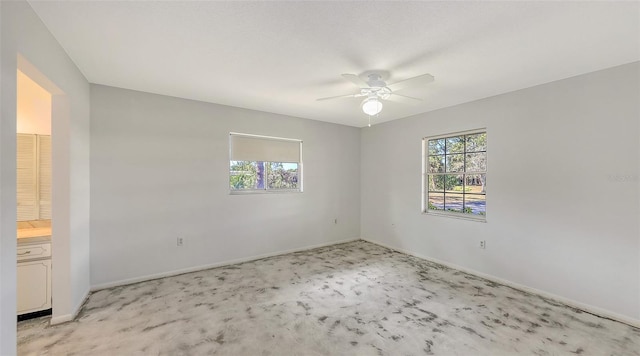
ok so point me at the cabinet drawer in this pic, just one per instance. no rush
(30, 252)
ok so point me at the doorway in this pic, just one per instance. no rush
(34, 198)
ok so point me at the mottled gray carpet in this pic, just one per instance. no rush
(350, 299)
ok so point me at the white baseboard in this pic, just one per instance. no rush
(59, 319)
(569, 302)
(209, 266)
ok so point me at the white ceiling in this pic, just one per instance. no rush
(280, 56)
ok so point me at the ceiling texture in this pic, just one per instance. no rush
(281, 56)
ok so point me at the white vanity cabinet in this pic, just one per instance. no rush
(34, 277)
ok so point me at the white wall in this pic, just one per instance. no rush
(27, 45)
(7, 249)
(33, 107)
(562, 184)
(159, 170)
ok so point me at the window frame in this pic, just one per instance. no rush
(266, 189)
(426, 174)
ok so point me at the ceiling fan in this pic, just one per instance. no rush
(375, 90)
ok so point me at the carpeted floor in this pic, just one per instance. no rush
(350, 299)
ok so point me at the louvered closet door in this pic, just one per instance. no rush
(26, 177)
(44, 176)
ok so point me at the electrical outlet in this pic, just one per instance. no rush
(180, 241)
(483, 244)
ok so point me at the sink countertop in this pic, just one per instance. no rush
(34, 235)
(34, 232)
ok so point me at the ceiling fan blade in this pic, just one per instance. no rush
(340, 96)
(406, 96)
(355, 80)
(398, 98)
(411, 82)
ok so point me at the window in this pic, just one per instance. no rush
(264, 164)
(455, 175)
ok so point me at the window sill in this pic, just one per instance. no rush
(264, 191)
(453, 215)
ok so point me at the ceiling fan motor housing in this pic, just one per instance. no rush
(375, 81)
(380, 92)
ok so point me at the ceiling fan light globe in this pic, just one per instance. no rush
(371, 106)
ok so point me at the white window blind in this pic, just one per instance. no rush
(26, 177)
(262, 148)
(33, 161)
(44, 176)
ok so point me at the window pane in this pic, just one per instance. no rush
(475, 183)
(453, 202)
(436, 164)
(455, 163)
(282, 175)
(436, 201)
(477, 142)
(260, 174)
(436, 183)
(455, 144)
(436, 147)
(476, 162)
(242, 175)
(453, 183)
(475, 204)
